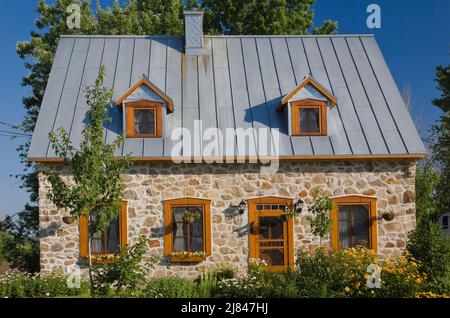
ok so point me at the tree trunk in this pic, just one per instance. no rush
(91, 281)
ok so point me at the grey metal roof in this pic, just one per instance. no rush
(238, 82)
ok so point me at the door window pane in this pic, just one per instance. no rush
(273, 257)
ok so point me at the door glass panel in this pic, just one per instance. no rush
(273, 257)
(271, 227)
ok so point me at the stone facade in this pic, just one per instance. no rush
(147, 185)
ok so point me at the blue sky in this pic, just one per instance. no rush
(414, 38)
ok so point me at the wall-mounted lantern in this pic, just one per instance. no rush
(242, 206)
(298, 206)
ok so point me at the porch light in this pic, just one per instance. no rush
(242, 206)
(298, 206)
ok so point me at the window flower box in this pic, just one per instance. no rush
(187, 257)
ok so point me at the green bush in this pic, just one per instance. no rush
(344, 273)
(170, 287)
(14, 284)
(259, 283)
(428, 244)
(125, 273)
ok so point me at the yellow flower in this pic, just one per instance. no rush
(357, 284)
(366, 276)
(346, 289)
(372, 292)
(418, 281)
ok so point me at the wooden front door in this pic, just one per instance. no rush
(271, 236)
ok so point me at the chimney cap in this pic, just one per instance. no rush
(193, 11)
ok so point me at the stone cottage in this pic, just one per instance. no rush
(227, 133)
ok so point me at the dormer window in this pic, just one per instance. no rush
(143, 119)
(308, 107)
(309, 118)
(143, 105)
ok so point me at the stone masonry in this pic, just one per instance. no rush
(147, 185)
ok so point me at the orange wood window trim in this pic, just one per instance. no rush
(253, 214)
(168, 225)
(155, 89)
(295, 117)
(307, 81)
(355, 200)
(84, 231)
(130, 122)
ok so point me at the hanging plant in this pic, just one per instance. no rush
(388, 215)
(190, 217)
(289, 213)
(69, 219)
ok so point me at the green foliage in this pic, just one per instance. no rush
(426, 181)
(440, 139)
(262, 17)
(15, 284)
(97, 190)
(428, 244)
(207, 284)
(320, 219)
(125, 272)
(343, 273)
(170, 287)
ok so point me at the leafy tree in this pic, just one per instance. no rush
(97, 189)
(320, 219)
(262, 17)
(427, 242)
(440, 139)
(427, 179)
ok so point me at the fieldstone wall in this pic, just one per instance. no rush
(147, 185)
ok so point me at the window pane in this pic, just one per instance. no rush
(113, 236)
(179, 229)
(97, 245)
(273, 257)
(187, 237)
(353, 225)
(144, 121)
(309, 120)
(107, 241)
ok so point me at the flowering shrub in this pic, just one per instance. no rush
(256, 266)
(259, 283)
(14, 284)
(344, 273)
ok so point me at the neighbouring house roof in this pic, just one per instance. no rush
(239, 81)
